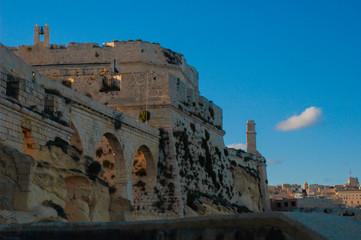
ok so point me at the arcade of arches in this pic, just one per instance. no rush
(132, 177)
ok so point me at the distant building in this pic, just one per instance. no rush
(316, 186)
(342, 200)
(351, 198)
(353, 182)
(285, 204)
(286, 185)
(305, 185)
(321, 204)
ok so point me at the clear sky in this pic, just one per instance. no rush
(263, 60)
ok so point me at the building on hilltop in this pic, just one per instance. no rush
(353, 182)
(343, 200)
(125, 117)
(305, 185)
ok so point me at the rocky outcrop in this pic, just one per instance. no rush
(206, 170)
(59, 187)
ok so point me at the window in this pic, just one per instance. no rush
(278, 205)
(293, 204)
(286, 204)
(12, 86)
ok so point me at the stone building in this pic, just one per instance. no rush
(134, 108)
(353, 182)
(351, 198)
(285, 204)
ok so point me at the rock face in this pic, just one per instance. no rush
(58, 189)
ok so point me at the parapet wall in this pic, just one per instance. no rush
(263, 226)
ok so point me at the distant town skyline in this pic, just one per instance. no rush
(293, 67)
(310, 183)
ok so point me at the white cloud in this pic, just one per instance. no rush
(237, 146)
(307, 118)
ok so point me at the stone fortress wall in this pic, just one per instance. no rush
(30, 122)
(130, 56)
(192, 171)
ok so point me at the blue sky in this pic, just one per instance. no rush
(260, 60)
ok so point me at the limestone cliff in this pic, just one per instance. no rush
(54, 180)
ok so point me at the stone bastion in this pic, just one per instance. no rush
(116, 132)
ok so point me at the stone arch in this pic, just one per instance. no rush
(76, 140)
(144, 152)
(144, 174)
(109, 153)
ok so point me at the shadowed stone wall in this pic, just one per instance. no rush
(243, 227)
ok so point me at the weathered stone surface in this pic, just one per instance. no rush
(120, 209)
(56, 190)
(37, 214)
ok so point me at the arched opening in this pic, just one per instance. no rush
(109, 154)
(75, 139)
(143, 177)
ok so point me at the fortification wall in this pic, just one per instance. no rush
(29, 127)
(33, 92)
(190, 102)
(22, 106)
(208, 171)
(130, 56)
(138, 91)
(179, 170)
